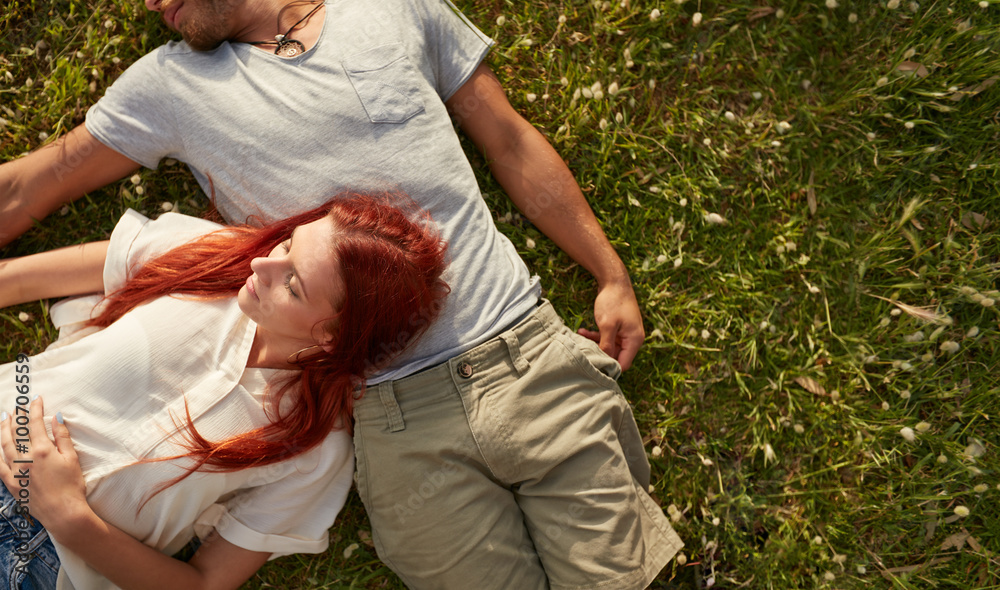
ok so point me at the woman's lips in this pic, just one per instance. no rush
(251, 288)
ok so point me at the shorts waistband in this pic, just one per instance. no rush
(538, 322)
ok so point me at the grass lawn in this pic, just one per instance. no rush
(807, 196)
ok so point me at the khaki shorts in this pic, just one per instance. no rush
(517, 464)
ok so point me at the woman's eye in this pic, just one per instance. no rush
(288, 285)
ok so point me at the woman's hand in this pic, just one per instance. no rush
(44, 477)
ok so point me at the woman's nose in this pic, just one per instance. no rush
(260, 267)
(153, 5)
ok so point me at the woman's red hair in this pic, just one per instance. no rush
(391, 261)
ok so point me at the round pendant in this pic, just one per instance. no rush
(289, 48)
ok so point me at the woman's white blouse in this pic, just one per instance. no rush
(122, 391)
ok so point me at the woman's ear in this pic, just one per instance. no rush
(327, 342)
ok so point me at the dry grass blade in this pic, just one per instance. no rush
(924, 314)
(810, 385)
(912, 67)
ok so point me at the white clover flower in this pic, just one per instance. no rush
(681, 559)
(986, 302)
(530, 97)
(564, 81)
(42, 136)
(715, 219)
(779, 14)
(678, 261)
(756, 95)
(619, 118)
(971, 166)
(613, 88)
(776, 143)
(661, 258)
(693, 333)
(892, 4)
(652, 84)
(852, 18)
(140, 190)
(885, 405)
(909, 125)
(907, 433)
(839, 558)
(530, 244)
(705, 334)
(973, 332)
(706, 462)
(882, 81)
(791, 246)
(975, 449)
(730, 116)
(799, 429)
(166, 206)
(922, 427)
(914, 337)
(603, 124)
(562, 19)
(831, 4)
(870, 135)
(349, 551)
(806, 84)
(654, 189)
(528, 42)
(884, 322)
(769, 456)
(817, 540)
(949, 346)
(927, 357)
(905, 366)
(24, 316)
(961, 511)
(696, 19)
(707, 141)
(656, 452)
(683, 202)
(984, 4)
(981, 488)
(136, 179)
(783, 127)
(655, 14)
(587, 92)
(828, 575)
(942, 459)
(977, 297)
(905, 394)
(812, 288)
(501, 20)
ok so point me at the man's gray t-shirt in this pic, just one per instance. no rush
(362, 110)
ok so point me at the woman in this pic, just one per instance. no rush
(209, 394)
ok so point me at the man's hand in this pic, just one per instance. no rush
(619, 323)
(45, 476)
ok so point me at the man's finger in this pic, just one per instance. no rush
(630, 348)
(609, 341)
(590, 334)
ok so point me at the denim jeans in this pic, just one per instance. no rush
(28, 561)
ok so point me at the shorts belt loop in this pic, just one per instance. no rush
(521, 364)
(392, 411)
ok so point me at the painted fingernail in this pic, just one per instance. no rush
(34, 397)
(3, 416)
(59, 418)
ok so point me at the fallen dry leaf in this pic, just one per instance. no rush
(811, 193)
(760, 12)
(810, 385)
(975, 89)
(912, 67)
(974, 220)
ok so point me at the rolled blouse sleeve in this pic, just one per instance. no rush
(293, 513)
(136, 240)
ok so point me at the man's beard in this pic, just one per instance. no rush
(207, 24)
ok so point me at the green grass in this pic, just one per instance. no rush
(774, 330)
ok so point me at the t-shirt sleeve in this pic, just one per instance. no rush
(454, 46)
(135, 116)
(294, 513)
(136, 239)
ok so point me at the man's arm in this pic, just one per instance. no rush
(37, 184)
(543, 188)
(74, 270)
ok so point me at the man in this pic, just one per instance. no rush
(499, 452)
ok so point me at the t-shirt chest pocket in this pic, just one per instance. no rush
(386, 83)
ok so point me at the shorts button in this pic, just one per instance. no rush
(465, 370)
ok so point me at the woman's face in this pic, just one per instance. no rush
(297, 288)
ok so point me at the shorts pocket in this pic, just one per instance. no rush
(386, 83)
(597, 358)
